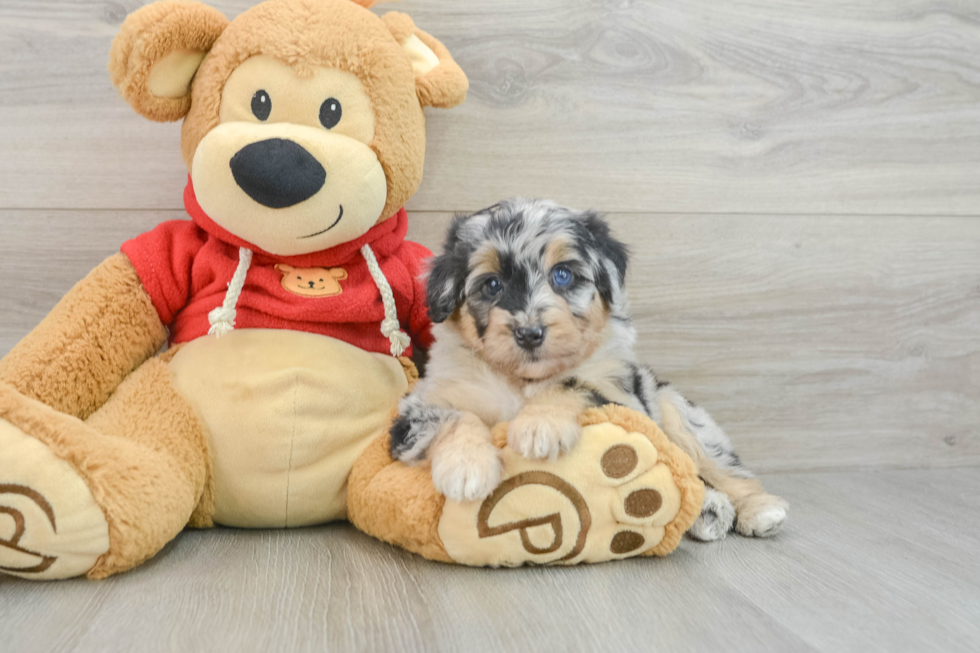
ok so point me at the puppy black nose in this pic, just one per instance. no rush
(529, 337)
(311, 283)
(277, 173)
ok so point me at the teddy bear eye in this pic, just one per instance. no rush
(261, 105)
(330, 112)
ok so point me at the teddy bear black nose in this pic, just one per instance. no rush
(277, 173)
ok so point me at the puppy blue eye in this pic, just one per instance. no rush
(492, 286)
(561, 276)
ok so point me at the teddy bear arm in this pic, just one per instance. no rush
(103, 329)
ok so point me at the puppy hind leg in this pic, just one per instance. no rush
(758, 513)
(716, 519)
(417, 425)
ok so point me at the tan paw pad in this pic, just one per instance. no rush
(50, 526)
(610, 497)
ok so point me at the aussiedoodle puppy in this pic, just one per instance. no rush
(532, 327)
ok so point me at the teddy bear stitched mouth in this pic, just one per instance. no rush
(323, 231)
(277, 173)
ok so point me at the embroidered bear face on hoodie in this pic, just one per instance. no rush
(186, 267)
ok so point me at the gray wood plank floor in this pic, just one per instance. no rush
(878, 561)
(800, 183)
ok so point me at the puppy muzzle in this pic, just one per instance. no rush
(529, 338)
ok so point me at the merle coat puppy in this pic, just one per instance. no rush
(532, 327)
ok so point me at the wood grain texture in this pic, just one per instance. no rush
(869, 562)
(837, 106)
(818, 342)
(789, 176)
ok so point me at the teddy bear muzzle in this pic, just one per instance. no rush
(277, 172)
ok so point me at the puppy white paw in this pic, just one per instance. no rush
(761, 515)
(466, 473)
(542, 436)
(716, 519)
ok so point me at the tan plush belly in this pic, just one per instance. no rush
(287, 414)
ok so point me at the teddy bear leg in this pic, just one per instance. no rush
(623, 490)
(50, 525)
(100, 496)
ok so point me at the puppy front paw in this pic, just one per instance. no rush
(538, 435)
(466, 473)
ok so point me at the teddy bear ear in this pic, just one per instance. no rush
(439, 81)
(157, 52)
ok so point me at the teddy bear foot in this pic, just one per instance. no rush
(50, 525)
(616, 494)
(624, 490)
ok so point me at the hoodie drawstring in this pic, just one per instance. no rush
(390, 327)
(222, 319)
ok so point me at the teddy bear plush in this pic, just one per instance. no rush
(290, 300)
(625, 490)
(291, 303)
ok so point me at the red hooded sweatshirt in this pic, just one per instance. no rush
(186, 266)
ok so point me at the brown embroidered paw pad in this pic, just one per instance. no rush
(50, 526)
(625, 490)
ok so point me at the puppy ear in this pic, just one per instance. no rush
(446, 283)
(282, 267)
(613, 255)
(157, 52)
(439, 81)
(445, 286)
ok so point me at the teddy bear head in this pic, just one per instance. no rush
(303, 123)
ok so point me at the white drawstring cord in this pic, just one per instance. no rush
(222, 319)
(390, 327)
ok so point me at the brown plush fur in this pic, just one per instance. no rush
(369, 493)
(145, 426)
(395, 503)
(169, 446)
(399, 504)
(85, 382)
(411, 372)
(443, 87)
(102, 330)
(305, 34)
(150, 34)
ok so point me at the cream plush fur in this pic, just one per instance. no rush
(110, 449)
